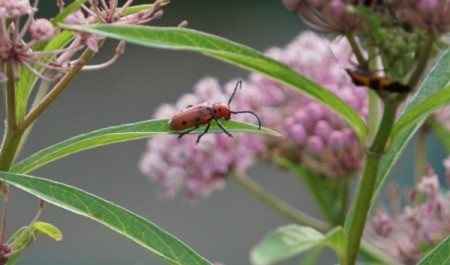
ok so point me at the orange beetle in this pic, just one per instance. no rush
(195, 116)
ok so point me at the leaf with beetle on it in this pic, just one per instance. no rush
(118, 134)
(231, 52)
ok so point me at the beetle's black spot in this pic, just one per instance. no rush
(215, 111)
(184, 122)
(197, 119)
(220, 110)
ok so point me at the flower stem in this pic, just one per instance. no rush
(13, 134)
(279, 205)
(56, 91)
(356, 219)
(356, 50)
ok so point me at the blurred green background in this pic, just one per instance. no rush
(222, 228)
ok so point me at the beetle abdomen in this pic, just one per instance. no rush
(191, 117)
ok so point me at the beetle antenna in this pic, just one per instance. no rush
(251, 112)
(238, 84)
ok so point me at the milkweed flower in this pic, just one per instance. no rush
(429, 15)
(180, 164)
(329, 16)
(315, 136)
(409, 233)
(14, 48)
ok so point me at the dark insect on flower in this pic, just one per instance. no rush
(377, 83)
(194, 116)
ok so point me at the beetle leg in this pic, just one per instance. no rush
(204, 132)
(186, 132)
(223, 129)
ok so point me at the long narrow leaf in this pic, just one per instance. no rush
(231, 52)
(420, 111)
(117, 134)
(124, 222)
(439, 255)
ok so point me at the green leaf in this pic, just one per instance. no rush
(117, 134)
(122, 221)
(231, 52)
(47, 229)
(292, 240)
(441, 132)
(439, 255)
(419, 112)
(37, 229)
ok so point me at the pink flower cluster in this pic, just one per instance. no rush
(313, 134)
(420, 226)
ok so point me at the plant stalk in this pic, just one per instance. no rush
(356, 220)
(357, 50)
(279, 205)
(13, 134)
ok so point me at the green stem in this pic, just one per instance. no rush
(12, 136)
(356, 50)
(11, 98)
(56, 91)
(421, 153)
(374, 101)
(356, 220)
(344, 196)
(279, 205)
(423, 60)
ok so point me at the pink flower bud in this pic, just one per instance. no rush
(302, 118)
(322, 129)
(41, 29)
(428, 5)
(429, 185)
(315, 145)
(75, 18)
(298, 133)
(336, 140)
(315, 111)
(338, 6)
(383, 224)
